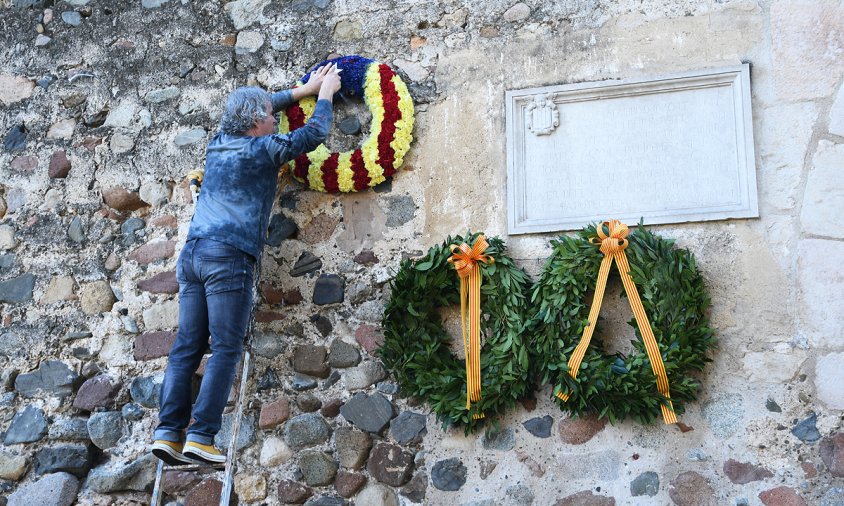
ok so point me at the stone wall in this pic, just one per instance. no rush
(107, 105)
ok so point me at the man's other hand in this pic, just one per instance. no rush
(314, 84)
(329, 81)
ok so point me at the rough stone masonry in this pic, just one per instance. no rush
(106, 106)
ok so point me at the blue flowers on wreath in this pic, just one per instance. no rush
(353, 75)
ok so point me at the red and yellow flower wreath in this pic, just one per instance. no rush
(381, 154)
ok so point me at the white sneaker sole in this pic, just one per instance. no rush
(169, 455)
(203, 456)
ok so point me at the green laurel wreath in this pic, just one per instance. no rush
(617, 386)
(416, 346)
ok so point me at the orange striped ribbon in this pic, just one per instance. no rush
(465, 260)
(612, 246)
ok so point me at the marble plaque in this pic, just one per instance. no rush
(668, 150)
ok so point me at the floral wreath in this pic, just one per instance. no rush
(416, 346)
(381, 154)
(615, 386)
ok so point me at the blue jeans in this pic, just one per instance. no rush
(215, 299)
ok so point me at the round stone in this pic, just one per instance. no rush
(318, 469)
(70, 429)
(207, 492)
(390, 464)
(518, 12)
(121, 199)
(375, 493)
(13, 467)
(539, 426)
(105, 429)
(329, 289)
(364, 375)
(449, 474)
(27, 426)
(833, 497)
(646, 483)
(347, 484)
(311, 360)
(291, 492)
(57, 489)
(146, 391)
(97, 392)
(191, 136)
(302, 382)
(781, 496)
(17, 290)
(274, 452)
(368, 412)
(408, 427)
(832, 453)
(691, 489)
(96, 297)
(308, 402)
(352, 447)
(75, 459)
(131, 474)
(250, 487)
(807, 430)
(53, 377)
(245, 436)
(59, 165)
(131, 225)
(75, 231)
(350, 126)
(132, 412)
(342, 354)
(306, 430)
(274, 413)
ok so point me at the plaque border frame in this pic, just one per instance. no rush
(736, 77)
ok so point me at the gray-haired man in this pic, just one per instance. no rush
(216, 267)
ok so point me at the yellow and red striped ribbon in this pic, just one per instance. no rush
(466, 261)
(612, 244)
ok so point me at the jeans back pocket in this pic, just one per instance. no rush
(224, 269)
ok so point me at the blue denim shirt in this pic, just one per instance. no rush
(241, 178)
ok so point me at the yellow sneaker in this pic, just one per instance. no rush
(170, 452)
(203, 453)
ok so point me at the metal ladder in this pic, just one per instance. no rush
(231, 453)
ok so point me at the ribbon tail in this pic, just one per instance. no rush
(465, 260)
(475, 333)
(658, 367)
(463, 323)
(474, 364)
(580, 351)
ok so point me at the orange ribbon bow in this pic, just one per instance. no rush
(612, 245)
(466, 261)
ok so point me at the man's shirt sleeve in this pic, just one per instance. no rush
(283, 148)
(281, 100)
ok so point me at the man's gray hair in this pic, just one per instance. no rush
(244, 107)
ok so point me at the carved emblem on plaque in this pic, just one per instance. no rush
(542, 115)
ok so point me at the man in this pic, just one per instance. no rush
(216, 268)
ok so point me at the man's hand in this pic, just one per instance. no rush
(314, 84)
(330, 82)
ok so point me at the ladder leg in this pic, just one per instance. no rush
(157, 491)
(231, 456)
